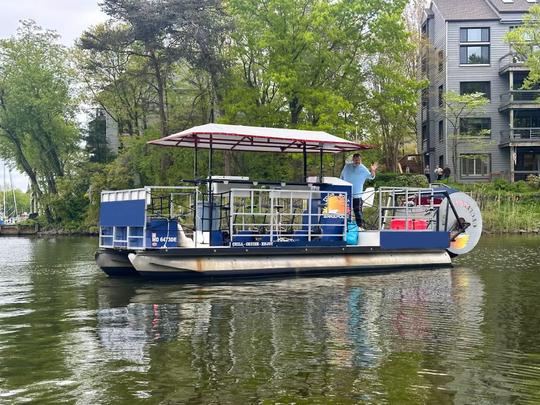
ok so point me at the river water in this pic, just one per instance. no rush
(467, 334)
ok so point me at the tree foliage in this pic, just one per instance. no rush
(143, 41)
(455, 108)
(38, 133)
(525, 41)
(159, 66)
(305, 63)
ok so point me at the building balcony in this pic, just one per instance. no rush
(523, 99)
(512, 62)
(520, 137)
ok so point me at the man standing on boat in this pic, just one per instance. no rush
(357, 174)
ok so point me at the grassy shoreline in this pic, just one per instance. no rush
(507, 207)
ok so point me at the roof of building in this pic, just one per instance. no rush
(466, 9)
(457, 10)
(514, 6)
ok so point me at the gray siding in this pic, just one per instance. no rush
(438, 147)
(111, 134)
(499, 85)
(445, 35)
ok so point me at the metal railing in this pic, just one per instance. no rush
(409, 209)
(258, 217)
(520, 97)
(510, 59)
(173, 205)
(520, 134)
(261, 217)
(523, 174)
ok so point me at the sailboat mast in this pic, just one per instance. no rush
(4, 202)
(13, 191)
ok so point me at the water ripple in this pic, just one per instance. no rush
(468, 334)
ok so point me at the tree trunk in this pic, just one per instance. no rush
(46, 143)
(454, 155)
(51, 183)
(21, 159)
(161, 95)
(296, 109)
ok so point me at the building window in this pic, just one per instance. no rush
(425, 30)
(474, 46)
(475, 165)
(424, 66)
(441, 130)
(475, 87)
(425, 98)
(441, 95)
(475, 126)
(474, 55)
(474, 35)
(441, 61)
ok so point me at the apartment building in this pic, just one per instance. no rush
(467, 53)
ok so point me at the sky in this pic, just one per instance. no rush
(68, 17)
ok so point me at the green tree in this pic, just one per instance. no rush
(394, 93)
(16, 200)
(159, 34)
(455, 108)
(300, 59)
(525, 41)
(318, 65)
(310, 64)
(38, 133)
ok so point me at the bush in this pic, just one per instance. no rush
(499, 186)
(400, 180)
(533, 181)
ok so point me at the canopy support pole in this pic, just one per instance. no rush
(210, 199)
(321, 164)
(305, 163)
(195, 160)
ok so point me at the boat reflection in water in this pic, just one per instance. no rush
(299, 334)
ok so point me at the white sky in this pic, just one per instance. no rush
(68, 17)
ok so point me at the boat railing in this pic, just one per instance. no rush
(261, 217)
(149, 217)
(183, 216)
(409, 209)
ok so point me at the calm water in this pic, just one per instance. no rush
(470, 334)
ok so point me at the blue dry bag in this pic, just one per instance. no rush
(352, 234)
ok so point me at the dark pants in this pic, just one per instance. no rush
(357, 209)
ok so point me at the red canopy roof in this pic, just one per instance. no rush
(258, 139)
